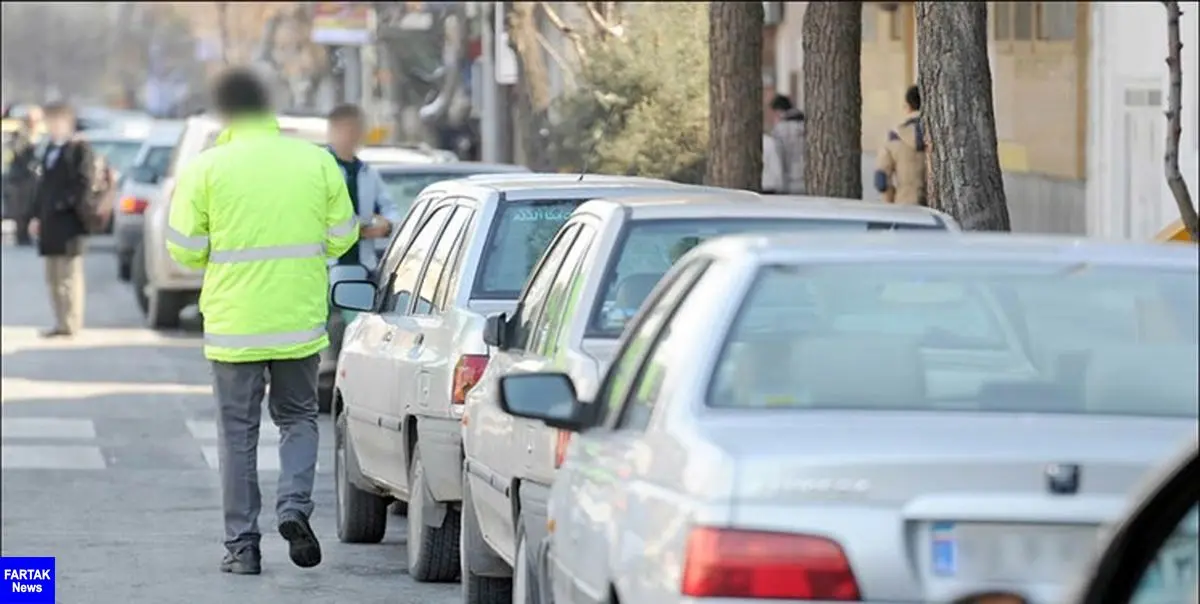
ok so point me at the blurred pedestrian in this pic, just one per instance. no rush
(262, 213)
(772, 175)
(63, 187)
(788, 132)
(21, 182)
(369, 197)
(900, 163)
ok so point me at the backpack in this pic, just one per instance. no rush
(95, 209)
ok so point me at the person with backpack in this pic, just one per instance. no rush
(900, 164)
(62, 213)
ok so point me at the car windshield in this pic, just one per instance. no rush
(516, 241)
(965, 336)
(648, 248)
(119, 154)
(156, 162)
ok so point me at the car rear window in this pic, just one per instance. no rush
(157, 161)
(647, 248)
(119, 154)
(516, 240)
(979, 336)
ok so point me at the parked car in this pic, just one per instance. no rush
(407, 361)
(593, 277)
(406, 174)
(141, 186)
(1152, 555)
(882, 417)
(163, 287)
(117, 148)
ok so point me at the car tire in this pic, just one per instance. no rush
(525, 582)
(361, 515)
(432, 551)
(324, 397)
(163, 308)
(478, 589)
(138, 278)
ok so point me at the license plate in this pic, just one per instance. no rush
(993, 552)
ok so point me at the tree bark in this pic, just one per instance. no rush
(735, 103)
(1178, 186)
(832, 41)
(960, 121)
(533, 84)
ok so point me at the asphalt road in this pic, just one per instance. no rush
(109, 457)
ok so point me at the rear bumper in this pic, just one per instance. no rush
(440, 441)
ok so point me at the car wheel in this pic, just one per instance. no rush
(361, 515)
(479, 589)
(432, 551)
(163, 308)
(138, 278)
(525, 580)
(324, 397)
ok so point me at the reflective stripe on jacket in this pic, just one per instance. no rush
(261, 214)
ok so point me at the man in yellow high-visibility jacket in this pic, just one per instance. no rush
(261, 213)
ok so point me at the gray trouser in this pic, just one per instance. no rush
(64, 276)
(239, 388)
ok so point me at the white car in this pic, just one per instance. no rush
(141, 185)
(416, 348)
(882, 418)
(590, 281)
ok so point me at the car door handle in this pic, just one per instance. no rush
(418, 339)
(388, 335)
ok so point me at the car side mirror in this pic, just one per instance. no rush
(549, 397)
(353, 295)
(495, 331)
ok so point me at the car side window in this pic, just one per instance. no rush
(538, 287)
(434, 269)
(450, 270)
(395, 248)
(1171, 577)
(638, 344)
(403, 280)
(564, 295)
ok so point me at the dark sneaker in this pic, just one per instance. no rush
(303, 547)
(56, 333)
(245, 561)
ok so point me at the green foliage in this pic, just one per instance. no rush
(641, 105)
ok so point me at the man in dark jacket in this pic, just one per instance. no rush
(21, 181)
(67, 169)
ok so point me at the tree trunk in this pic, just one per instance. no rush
(1178, 186)
(832, 41)
(735, 103)
(956, 99)
(533, 85)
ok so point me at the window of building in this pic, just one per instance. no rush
(870, 22)
(1022, 20)
(1002, 13)
(1056, 21)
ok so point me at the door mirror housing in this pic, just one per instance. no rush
(348, 272)
(549, 397)
(495, 331)
(354, 295)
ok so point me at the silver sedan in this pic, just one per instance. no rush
(880, 418)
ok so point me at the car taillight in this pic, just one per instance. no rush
(133, 205)
(560, 447)
(467, 372)
(727, 563)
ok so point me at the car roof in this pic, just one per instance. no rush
(115, 135)
(450, 169)
(730, 202)
(165, 133)
(516, 181)
(924, 246)
(399, 155)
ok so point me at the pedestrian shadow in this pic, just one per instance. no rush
(131, 364)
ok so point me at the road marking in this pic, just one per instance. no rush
(47, 427)
(268, 459)
(268, 432)
(62, 457)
